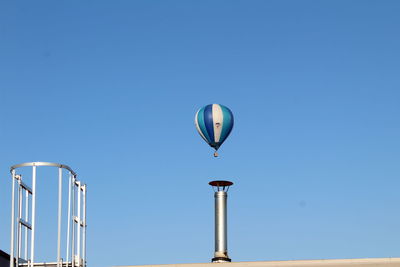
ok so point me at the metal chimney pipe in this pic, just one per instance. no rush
(221, 194)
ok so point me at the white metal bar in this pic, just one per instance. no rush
(12, 219)
(84, 226)
(78, 239)
(69, 215)
(19, 234)
(59, 216)
(33, 215)
(45, 264)
(73, 223)
(26, 219)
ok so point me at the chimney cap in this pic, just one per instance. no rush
(220, 183)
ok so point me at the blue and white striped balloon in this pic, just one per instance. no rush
(214, 123)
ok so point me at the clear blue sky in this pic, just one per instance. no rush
(111, 88)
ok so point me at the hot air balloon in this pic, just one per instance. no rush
(214, 123)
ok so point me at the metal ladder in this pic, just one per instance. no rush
(78, 225)
(22, 223)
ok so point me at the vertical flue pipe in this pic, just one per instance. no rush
(221, 250)
(221, 239)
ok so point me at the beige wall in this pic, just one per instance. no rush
(382, 262)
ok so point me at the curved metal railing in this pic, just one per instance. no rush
(39, 163)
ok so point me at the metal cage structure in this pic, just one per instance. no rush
(23, 218)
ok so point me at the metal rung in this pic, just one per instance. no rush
(21, 260)
(77, 221)
(26, 187)
(25, 223)
(81, 223)
(47, 264)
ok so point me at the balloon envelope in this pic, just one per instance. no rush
(214, 123)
